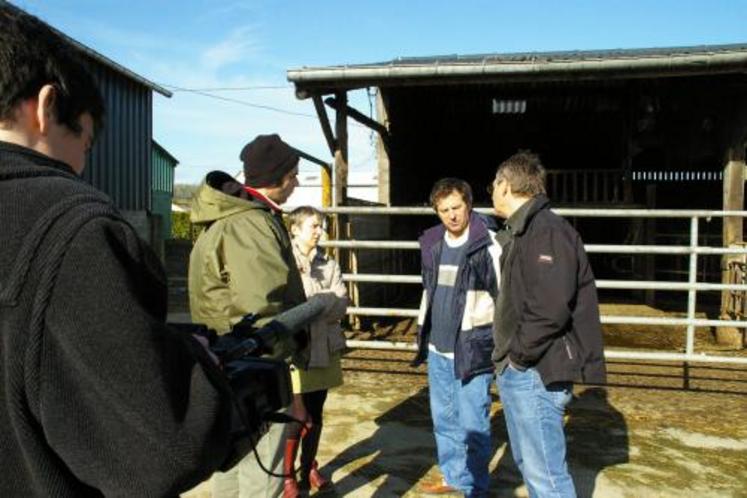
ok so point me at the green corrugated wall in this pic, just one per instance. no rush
(162, 186)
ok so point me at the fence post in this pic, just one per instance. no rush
(692, 279)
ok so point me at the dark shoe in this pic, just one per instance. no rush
(436, 488)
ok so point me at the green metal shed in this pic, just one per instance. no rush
(162, 186)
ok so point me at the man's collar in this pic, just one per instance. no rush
(263, 198)
(35, 156)
(517, 222)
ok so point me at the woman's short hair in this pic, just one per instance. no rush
(298, 215)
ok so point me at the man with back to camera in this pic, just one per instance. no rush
(460, 279)
(547, 332)
(241, 264)
(98, 396)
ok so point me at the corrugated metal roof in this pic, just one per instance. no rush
(565, 55)
(547, 66)
(96, 56)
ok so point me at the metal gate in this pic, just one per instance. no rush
(691, 287)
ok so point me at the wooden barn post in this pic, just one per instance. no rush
(382, 151)
(341, 153)
(733, 232)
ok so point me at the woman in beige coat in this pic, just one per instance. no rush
(319, 274)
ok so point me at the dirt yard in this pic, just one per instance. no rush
(645, 435)
(658, 429)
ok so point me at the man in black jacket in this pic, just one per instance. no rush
(546, 330)
(97, 395)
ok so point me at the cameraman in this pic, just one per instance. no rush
(242, 264)
(98, 396)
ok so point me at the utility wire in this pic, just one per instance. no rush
(240, 102)
(230, 88)
(247, 104)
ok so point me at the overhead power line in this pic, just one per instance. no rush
(230, 88)
(254, 105)
(240, 102)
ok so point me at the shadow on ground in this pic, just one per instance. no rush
(597, 438)
(396, 458)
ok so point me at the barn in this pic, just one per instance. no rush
(656, 128)
(121, 162)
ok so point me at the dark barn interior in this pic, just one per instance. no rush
(641, 128)
(624, 128)
(608, 144)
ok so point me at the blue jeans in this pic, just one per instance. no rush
(534, 419)
(461, 424)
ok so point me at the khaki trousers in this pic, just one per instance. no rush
(247, 479)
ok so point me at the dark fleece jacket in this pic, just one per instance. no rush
(548, 312)
(98, 396)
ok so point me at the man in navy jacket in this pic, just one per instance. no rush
(547, 332)
(460, 279)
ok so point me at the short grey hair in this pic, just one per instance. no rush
(524, 173)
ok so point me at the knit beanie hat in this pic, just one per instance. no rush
(266, 160)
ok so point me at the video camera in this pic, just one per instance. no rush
(259, 386)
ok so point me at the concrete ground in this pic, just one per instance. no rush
(654, 432)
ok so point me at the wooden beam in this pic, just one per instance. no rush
(326, 187)
(734, 195)
(360, 117)
(321, 113)
(326, 176)
(341, 153)
(382, 152)
(733, 233)
(313, 159)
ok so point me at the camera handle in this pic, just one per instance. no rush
(284, 324)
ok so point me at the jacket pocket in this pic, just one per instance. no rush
(480, 347)
(570, 348)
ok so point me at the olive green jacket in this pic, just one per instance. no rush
(242, 261)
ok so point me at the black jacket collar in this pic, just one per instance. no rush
(517, 223)
(23, 157)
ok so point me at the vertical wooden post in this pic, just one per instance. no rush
(627, 149)
(341, 185)
(733, 233)
(341, 152)
(382, 152)
(327, 186)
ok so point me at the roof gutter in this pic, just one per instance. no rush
(532, 70)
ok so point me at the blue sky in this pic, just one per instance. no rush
(250, 44)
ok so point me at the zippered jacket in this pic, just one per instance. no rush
(475, 290)
(242, 262)
(321, 273)
(549, 282)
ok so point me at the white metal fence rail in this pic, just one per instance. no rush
(692, 286)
